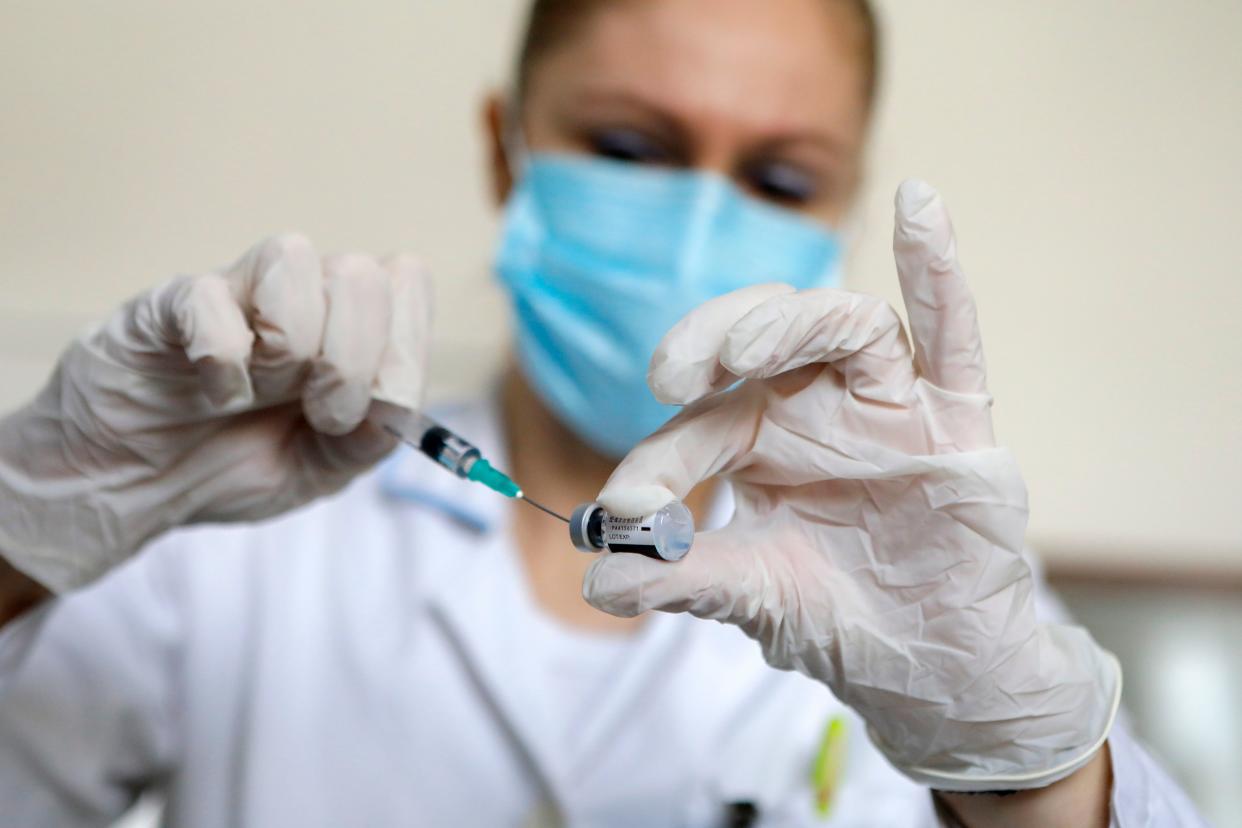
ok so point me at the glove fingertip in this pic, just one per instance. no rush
(225, 383)
(328, 419)
(681, 370)
(364, 446)
(677, 383)
(922, 220)
(737, 355)
(752, 342)
(635, 501)
(687, 365)
(914, 195)
(611, 586)
(333, 404)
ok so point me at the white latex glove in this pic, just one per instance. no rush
(876, 544)
(227, 396)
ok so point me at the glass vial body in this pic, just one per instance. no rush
(665, 535)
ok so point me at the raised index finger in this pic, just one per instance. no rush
(948, 351)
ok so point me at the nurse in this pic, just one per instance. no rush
(403, 649)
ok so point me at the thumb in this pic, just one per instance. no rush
(337, 458)
(719, 579)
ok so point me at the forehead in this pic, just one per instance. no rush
(751, 65)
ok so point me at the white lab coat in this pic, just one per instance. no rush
(366, 661)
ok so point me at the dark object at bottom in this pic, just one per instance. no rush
(741, 814)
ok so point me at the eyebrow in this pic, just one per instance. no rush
(602, 96)
(673, 123)
(822, 140)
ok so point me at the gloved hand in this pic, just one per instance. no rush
(877, 539)
(227, 396)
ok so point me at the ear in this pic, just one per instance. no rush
(494, 140)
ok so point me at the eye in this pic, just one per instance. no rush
(782, 182)
(631, 145)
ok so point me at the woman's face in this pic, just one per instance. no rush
(770, 93)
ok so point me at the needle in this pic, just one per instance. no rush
(543, 508)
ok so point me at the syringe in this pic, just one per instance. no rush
(452, 452)
(665, 535)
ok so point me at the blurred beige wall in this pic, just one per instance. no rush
(1090, 152)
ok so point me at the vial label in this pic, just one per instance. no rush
(632, 534)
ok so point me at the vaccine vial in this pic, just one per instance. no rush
(665, 535)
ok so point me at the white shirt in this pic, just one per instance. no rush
(576, 668)
(376, 659)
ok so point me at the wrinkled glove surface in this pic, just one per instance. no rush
(226, 396)
(877, 539)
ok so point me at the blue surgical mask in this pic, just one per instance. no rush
(602, 257)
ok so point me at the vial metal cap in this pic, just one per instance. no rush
(580, 534)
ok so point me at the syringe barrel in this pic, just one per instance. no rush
(449, 450)
(431, 438)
